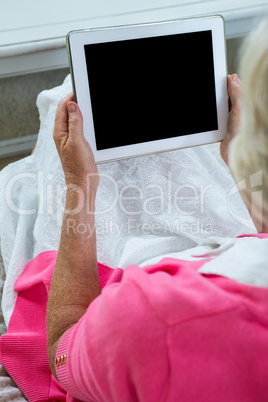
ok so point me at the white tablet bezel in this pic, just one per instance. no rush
(76, 40)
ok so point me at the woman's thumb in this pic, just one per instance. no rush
(75, 120)
(235, 89)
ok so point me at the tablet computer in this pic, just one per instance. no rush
(152, 87)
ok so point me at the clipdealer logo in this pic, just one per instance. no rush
(48, 197)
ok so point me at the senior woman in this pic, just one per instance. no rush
(175, 330)
(166, 332)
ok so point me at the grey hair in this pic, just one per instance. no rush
(248, 155)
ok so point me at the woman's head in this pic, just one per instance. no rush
(248, 156)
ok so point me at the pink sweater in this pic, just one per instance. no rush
(163, 333)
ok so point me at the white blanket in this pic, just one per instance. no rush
(146, 207)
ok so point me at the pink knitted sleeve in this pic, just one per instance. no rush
(107, 354)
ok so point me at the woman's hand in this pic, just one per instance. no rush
(233, 124)
(76, 156)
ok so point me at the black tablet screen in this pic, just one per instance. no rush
(151, 88)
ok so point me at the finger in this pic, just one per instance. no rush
(234, 89)
(75, 121)
(61, 118)
(69, 97)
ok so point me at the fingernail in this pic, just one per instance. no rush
(235, 78)
(71, 107)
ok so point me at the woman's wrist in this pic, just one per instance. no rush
(85, 181)
(80, 195)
